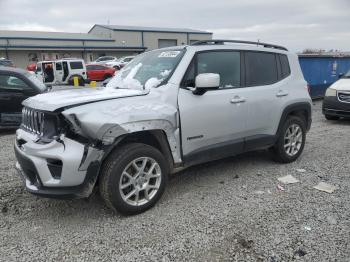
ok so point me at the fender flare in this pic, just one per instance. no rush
(300, 106)
(171, 138)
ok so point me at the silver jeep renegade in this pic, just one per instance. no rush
(166, 110)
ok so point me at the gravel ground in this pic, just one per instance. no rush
(227, 210)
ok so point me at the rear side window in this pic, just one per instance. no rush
(225, 63)
(14, 83)
(99, 67)
(260, 68)
(285, 69)
(76, 65)
(58, 66)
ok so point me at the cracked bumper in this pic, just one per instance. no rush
(72, 176)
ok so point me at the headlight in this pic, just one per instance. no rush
(331, 92)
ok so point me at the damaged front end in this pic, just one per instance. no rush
(60, 150)
(54, 157)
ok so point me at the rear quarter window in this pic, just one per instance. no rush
(76, 65)
(285, 69)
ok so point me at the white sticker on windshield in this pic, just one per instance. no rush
(170, 54)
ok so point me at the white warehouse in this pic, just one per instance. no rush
(25, 47)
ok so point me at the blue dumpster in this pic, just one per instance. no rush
(322, 70)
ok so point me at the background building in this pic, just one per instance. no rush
(25, 47)
(149, 37)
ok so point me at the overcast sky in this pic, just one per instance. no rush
(297, 24)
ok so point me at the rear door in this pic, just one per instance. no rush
(212, 124)
(92, 72)
(262, 91)
(13, 90)
(59, 72)
(99, 72)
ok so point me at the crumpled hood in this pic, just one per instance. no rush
(342, 84)
(52, 101)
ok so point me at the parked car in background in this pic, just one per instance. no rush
(120, 63)
(61, 72)
(99, 72)
(104, 59)
(336, 102)
(6, 62)
(166, 110)
(16, 85)
(31, 67)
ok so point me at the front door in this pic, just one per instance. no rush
(39, 72)
(48, 72)
(13, 90)
(213, 124)
(58, 72)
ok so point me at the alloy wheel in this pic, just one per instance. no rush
(140, 181)
(293, 140)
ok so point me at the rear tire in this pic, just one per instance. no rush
(133, 178)
(291, 140)
(329, 117)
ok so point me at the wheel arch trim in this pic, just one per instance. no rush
(296, 107)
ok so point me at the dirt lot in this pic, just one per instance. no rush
(224, 210)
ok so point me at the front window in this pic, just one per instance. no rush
(147, 70)
(225, 63)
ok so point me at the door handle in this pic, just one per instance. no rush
(237, 100)
(281, 93)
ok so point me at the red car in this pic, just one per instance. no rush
(99, 72)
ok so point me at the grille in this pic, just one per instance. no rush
(33, 121)
(344, 96)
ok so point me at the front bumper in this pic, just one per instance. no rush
(59, 169)
(333, 107)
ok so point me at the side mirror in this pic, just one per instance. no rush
(205, 82)
(340, 75)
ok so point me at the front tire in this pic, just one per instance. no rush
(291, 140)
(133, 178)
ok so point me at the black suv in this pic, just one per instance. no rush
(15, 86)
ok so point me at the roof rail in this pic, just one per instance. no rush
(221, 42)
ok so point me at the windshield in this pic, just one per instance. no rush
(35, 81)
(147, 70)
